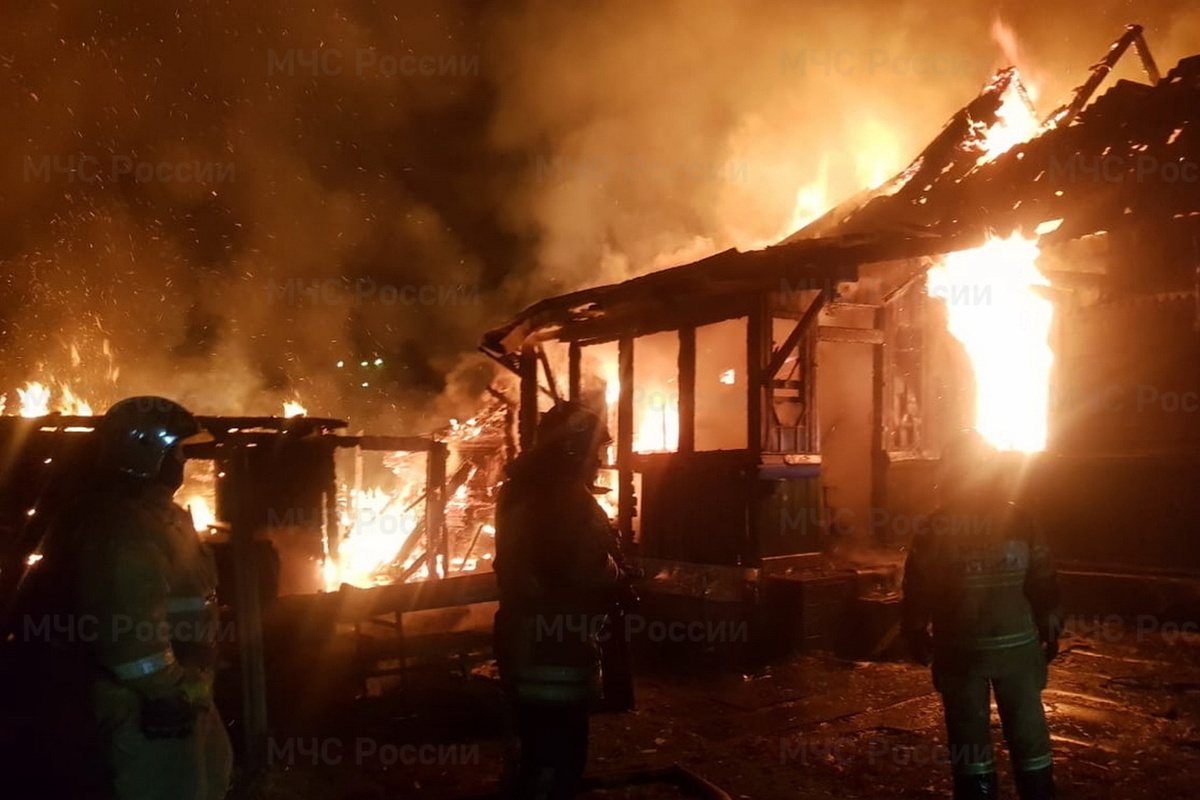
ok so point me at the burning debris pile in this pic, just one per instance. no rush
(384, 510)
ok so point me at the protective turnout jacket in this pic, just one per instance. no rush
(151, 585)
(557, 566)
(982, 574)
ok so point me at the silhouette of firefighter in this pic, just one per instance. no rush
(561, 577)
(982, 575)
(149, 583)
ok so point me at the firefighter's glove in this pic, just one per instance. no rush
(171, 717)
(920, 646)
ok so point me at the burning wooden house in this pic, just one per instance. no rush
(1034, 278)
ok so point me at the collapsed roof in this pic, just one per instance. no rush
(1133, 154)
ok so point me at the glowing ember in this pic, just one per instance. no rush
(994, 309)
(728, 377)
(292, 408)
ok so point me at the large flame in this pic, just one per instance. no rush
(1016, 123)
(877, 155)
(1005, 38)
(657, 410)
(37, 399)
(377, 524)
(995, 310)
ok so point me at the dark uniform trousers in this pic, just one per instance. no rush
(967, 680)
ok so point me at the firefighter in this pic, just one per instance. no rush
(149, 583)
(980, 573)
(560, 575)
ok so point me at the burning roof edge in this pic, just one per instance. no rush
(868, 228)
(728, 273)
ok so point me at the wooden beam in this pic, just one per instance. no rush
(1062, 116)
(687, 390)
(394, 444)
(879, 459)
(625, 504)
(437, 547)
(528, 419)
(645, 318)
(574, 370)
(247, 594)
(757, 330)
(550, 382)
(1143, 52)
(834, 333)
(810, 315)
(333, 529)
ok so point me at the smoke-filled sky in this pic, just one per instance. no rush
(219, 201)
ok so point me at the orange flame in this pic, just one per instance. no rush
(377, 524)
(995, 310)
(36, 399)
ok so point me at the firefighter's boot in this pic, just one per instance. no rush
(1036, 784)
(977, 787)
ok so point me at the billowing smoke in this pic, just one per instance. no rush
(236, 204)
(685, 126)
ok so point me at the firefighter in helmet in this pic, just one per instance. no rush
(150, 583)
(559, 570)
(980, 573)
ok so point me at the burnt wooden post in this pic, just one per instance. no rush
(251, 652)
(758, 348)
(527, 421)
(687, 390)
(574, 370)
(879, 460)
(625, 498)
(437, 549)
(333, 531)
(758, 354)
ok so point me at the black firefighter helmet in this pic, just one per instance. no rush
(572, 430)
(137, 433)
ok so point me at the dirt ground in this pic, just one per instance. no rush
(1124, 710)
